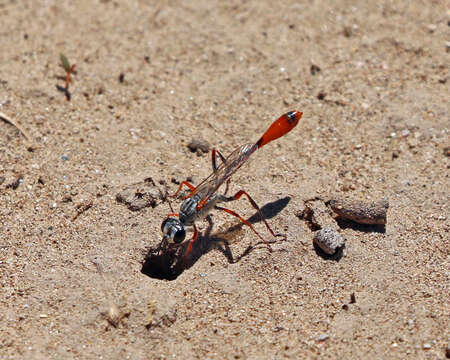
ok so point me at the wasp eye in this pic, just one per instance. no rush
(163, 226)
(179, 236)
(173, 230)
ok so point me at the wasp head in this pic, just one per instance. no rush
(173, 230)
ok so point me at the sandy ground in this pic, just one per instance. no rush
(372, 82)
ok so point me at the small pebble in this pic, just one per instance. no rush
(113, 316)
(64, 157)
(199, 146)
(348, 31)
(314, 69)
(426, 346)
(322, 337)
(41, 180)
(14, 183)
(431, 28)
(328, 240)
(447, 151)
(66, 198)
(321, 96)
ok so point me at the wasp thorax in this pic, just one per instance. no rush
(173, 230)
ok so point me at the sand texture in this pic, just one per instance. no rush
(84, 173)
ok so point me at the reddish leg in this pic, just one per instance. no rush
(191, 242)
(231, 212)
(186, 183)
(255, 206)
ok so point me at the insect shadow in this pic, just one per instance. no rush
(345, 223)
(170, 264)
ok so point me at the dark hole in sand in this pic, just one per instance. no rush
(170, 263)
(161, 266)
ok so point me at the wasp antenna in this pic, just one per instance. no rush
(165, 197)
(168, 200)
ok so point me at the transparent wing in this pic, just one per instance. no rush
(232, 163)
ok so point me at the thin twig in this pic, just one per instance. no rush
(10, 121)
(81, 208)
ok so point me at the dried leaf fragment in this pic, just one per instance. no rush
(370, 213)
(65, 63)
